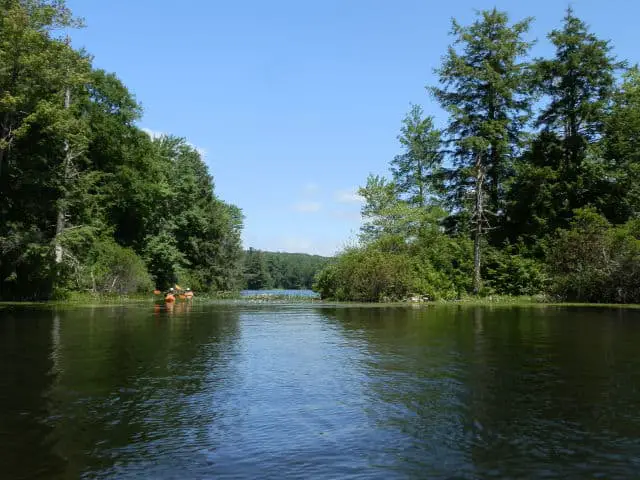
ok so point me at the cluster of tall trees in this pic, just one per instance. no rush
(281, 270)
(532, 186)
(88, 201)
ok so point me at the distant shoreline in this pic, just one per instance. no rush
(236, 298)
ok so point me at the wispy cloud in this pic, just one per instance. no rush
(346, 215)
(307, 207)
(311, 188)
(347, 196)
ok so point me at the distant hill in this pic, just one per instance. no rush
(264, 270)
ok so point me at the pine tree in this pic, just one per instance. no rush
(562, 170)
(417, 171)
(485, 90)
(578, 83)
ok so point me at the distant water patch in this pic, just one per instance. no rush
(281, 293)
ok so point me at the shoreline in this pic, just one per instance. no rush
(234, 298)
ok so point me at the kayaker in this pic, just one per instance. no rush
(170, 297)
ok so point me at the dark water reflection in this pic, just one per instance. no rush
(263, 391)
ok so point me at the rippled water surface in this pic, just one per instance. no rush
(260, 391)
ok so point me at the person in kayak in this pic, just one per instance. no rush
(170, 296)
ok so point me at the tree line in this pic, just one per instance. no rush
(531, 187)
(291, 271)
(89, 201)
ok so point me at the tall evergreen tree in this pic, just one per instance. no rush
(484, 89)
(578, 84)
(622, 148)
(417, 171)
(562, 170)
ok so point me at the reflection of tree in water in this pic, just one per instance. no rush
(415, 376)
(133, 384)
(502, 389)
(426, 392)
(25, 377)
(553, 389)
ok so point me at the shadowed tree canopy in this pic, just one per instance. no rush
(88, 201)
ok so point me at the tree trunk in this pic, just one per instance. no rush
(479, 225)
(421, 186)
(2, 155)
(62, 203)
(477, 279)
(5, 136)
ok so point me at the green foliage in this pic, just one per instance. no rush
(26, 263)
(163, 258)
(578, 84)
(434, 266)
(417, 172)
(366, 275)
(293, 271)
(290, 271)
(115, 269)
(594, 261)
(563, 168)
(557, 198)
(485, 90)
(506, 272)
(88, 201)
(621, 150)
(256, 274)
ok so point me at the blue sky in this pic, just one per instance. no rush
(294, 102)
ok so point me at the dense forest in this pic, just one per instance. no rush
(88, 201)
(265, 270)
(532, 187)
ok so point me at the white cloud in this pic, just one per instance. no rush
(307, 207)
(347, 196)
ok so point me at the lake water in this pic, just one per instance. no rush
(280, 293)
(313, 391)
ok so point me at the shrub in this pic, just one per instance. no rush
(366, 275)
(594, 261)
(505, 272)
(115, 269)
